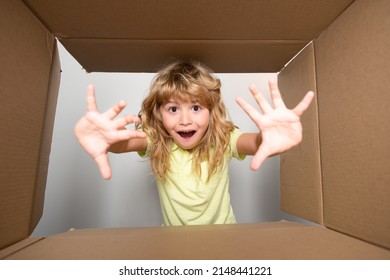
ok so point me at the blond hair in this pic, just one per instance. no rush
(183, 81)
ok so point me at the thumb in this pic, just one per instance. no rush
(104, 166)
(258, 159)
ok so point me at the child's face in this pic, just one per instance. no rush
(186, 122)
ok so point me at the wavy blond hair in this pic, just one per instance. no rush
(186, 81)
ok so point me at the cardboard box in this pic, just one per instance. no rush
(338, 177)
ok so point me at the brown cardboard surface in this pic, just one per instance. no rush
(300, 168)
(47, 132)
(353, 103)
(186, 29)
(191, 19)
(25, 119)
(10, 250)
(353, 67)
(279, 240)
(243, 55)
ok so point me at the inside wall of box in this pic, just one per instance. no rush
(76, 195)
(354, 162)
(29, 71)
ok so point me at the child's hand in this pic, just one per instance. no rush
(96, 132)
(280, 127)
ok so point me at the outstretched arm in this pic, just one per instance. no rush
(97, 132)
(280, 128)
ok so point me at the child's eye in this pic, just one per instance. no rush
(196, 108)
(172, 109)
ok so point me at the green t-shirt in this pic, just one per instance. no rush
(187, 200)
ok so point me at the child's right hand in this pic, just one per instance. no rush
(96, 131)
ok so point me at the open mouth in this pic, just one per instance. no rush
(186, 134)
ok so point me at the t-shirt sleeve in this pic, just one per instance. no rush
(145, 154)
(233, 144)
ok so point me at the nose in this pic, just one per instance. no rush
(185, 118)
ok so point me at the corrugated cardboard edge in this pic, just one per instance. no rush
(300, 168)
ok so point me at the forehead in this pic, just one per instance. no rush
(179, 97)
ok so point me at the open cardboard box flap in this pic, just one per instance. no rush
(278, 240)
(230, 36)
(338, 177)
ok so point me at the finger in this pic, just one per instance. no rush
(258, 159)
(277, 99)
(115, 110)
(260, 100)
(104, 166)
(125, 120)
(304, 104)
(127, 134)
(249, 110)
(91, 100)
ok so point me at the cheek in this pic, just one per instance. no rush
(167, 121)
(205, 120)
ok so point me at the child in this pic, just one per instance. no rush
(183, 129)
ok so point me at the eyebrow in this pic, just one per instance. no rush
(178, 101)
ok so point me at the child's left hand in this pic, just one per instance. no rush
(281, 128)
